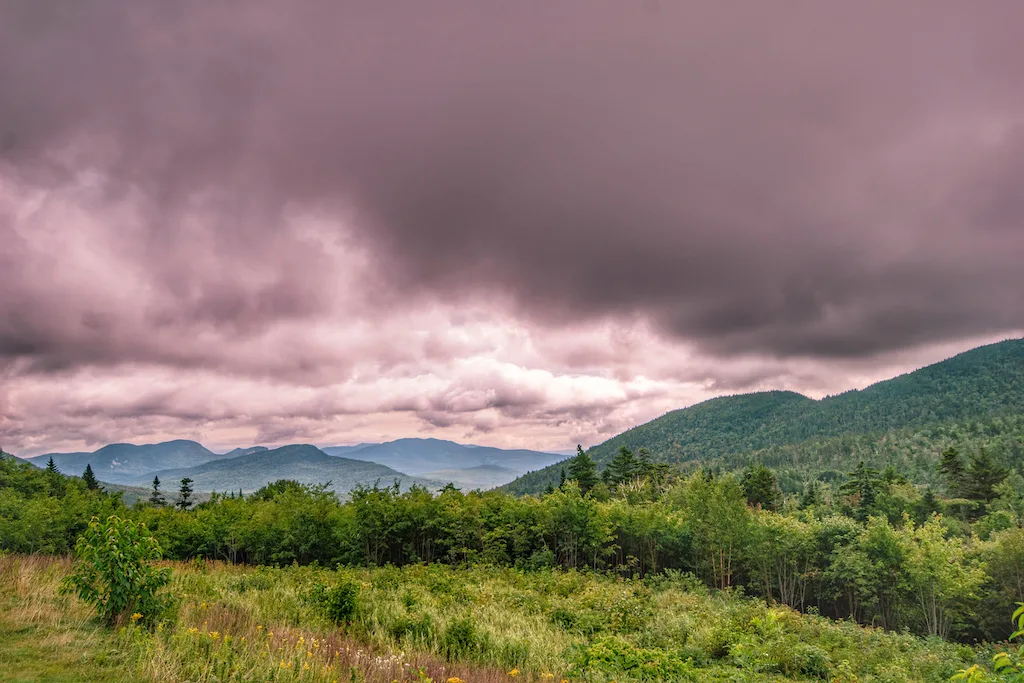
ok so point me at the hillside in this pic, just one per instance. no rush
(986, 381)
(123, 463)
(303, 463)
(417, 456)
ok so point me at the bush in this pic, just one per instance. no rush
(337, 602)
(460, 640)
(114, 572)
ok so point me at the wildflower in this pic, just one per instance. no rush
(547, 676)
(202, 606)
(513, 673)
(259, 627)
(455, 679)
(136, 616)
(214, 635)
(305, 666)
(193, 631)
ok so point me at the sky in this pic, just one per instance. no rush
(529, 224)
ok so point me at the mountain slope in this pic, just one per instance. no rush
(985, 381)
(123, 463)
(462, 465)
(235, 452)
(303, 463)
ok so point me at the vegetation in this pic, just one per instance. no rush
(981, 384)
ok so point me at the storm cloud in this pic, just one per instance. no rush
(670, 198)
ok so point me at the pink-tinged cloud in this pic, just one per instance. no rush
(530, 224)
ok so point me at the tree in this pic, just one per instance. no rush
(185, 494)
(51, 468)
(862, 483)
(761, 487)
(623, 467)
(114, 572)
(982, 477)
(89, 478)
(952, 469)
(583, 471)
(157, 498)
(561, 478)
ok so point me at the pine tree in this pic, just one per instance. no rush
(51, 467)
(812, 495)
(90, 479)
(583, 470)
(761, 487)
(156, 498)
(549, 489)
(623, 467)
(952, 469)
(561, 479)
(185, 494)
(982, 477)
(862, 482)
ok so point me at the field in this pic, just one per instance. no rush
(420, 623)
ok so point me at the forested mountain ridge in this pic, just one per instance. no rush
(122, 463)
(983, 382)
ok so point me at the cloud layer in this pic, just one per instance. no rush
(335, 220)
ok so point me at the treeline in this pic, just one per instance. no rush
(872, 547)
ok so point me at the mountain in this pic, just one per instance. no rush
(983, 382)
(345, 450)
(303, 463)
(123, 463)
(463, 465)
(235, 452)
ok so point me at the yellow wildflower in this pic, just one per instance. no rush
(136, 616)
(214, 635)
(547, 676)
(455, 679)
(305, 666)
(193, 630)
(513, 672)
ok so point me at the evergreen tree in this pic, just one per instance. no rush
(862, 482)
(549, 489)
(982, 477)
(952, 469)
(185, 494)
(51, 467)
(90, 479)
(623, 467)
(155, 497)
(761, 486)
(811, 496)
(926, 506)
(561, 479)
(583, 470)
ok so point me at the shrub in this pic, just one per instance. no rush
(460, 640)
(337, 602)
(114, 572)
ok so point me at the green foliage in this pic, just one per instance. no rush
(88, 477)
(114, 571)
(185, 494)
(583, 471)
(336, 601)
(155, 497)
(761, 487)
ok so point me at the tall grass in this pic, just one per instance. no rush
(436, 623)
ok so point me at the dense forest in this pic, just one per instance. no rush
(868, 545)
(980, 384)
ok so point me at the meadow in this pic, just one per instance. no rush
(439, 623)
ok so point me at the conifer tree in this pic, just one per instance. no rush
(761, 486)
(982, 477)
(51, 467)
(583, 470)
(89, 478)
(185, 494)
(952, 469)
(862, 482)
(155, 497)
(623, 467)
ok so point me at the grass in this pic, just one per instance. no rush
(47, 638)
(434, 623)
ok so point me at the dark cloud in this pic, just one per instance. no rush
(833, 180)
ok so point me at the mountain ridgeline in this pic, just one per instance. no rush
(986, 382)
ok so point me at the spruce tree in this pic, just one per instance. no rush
(561, 479)
(862, 482)
(156, 498)
(761, 487)
(623, 467)
(583, 470)
(185, 494)
(952, 469)
(51, 467)
(982, 477)
(90, 479)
